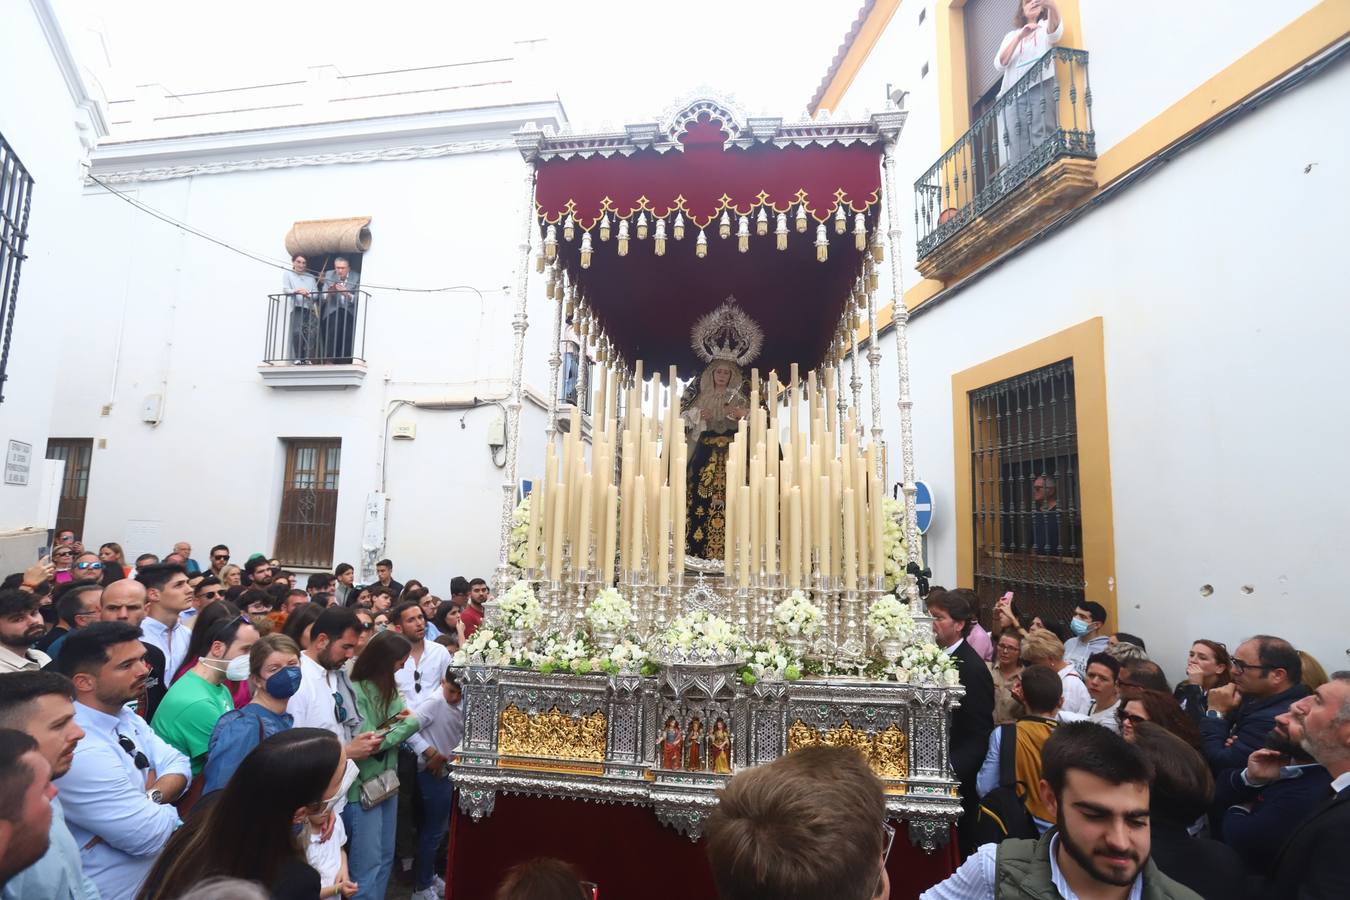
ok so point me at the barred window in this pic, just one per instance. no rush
(1024, 484)
(309, 493)
(16, 192)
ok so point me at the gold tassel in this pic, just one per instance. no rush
(701, 250)
(660, 239)
(860, 232)
(743, 234)
(782, 231)
(551, 242)
(642, 226)
(878, 249)
(840, 220)
(586, 250)
(604, 227)
(724, 226)
(539, 263)
(679, 226)
(822, 244)
(872, 281)
(762, 222)
(623, 237)
(569, 228)
(801, 218)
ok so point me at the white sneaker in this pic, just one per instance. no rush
(439, 883)
(429, 893)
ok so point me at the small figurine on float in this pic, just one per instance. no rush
(693, 760)
(672, 745)
(719, 748)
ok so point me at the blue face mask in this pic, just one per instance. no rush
(283, 683)
(1077, 626)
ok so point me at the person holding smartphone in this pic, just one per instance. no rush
(379, 703)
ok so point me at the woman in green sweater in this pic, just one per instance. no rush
(370, 855)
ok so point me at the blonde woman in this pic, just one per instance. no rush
(231, 576)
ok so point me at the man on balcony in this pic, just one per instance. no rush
(337, 309)
(301, 289)
(1022, 121)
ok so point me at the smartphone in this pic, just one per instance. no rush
(44, 553)
(1007, 598)
(387, 724)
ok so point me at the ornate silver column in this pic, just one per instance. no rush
(906, 402)
(513, 404)
(874, 373)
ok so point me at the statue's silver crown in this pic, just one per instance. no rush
(727, 333)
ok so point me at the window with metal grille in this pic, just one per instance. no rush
(78, 454)
(309, 495)
(16, 192)
(1024, 487)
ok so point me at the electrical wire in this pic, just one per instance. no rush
(258, 257)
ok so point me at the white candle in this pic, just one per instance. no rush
(795, 537)
(662, 549)
(611, 523)
(639, 523)
(555, 548)
(771, 525)
(850, 544)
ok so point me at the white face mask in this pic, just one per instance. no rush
(348, 779)
(235, 669)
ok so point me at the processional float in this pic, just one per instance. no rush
(709, 573)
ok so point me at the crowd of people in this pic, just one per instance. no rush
(204, 724)
(177, 724)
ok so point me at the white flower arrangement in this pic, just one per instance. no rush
(893, 543)
(701, 637)
(520, 533)
(771, 661)
(489, 647)
(520, 609)
(556, 654)
(624, 657)
(797, 616)
(609, 611)
(889, 619)
(925, 663)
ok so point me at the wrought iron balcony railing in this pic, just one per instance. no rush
(325, 328)
(1046, 115)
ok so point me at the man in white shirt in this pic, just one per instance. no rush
(1042, 648)
(1097, 786)
(1088, 639)
(21, 627)
(124, 780)
(325, 699)
(167, 595)
(442, 731)
(1103, 677)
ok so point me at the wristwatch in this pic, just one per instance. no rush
(1213, 714)
(155, 795)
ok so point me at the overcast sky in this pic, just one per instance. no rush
(619, 61)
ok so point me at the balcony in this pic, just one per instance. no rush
(1026, 159)
(316, 342)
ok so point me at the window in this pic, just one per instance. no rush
(1025, 495)
(78, 454)
(16, 193)
(309, 493)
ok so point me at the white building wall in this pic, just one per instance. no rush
(1219, 282)
(192, 320)
(42, 122)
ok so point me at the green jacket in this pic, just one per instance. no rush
(372, 709)
(1023, 873)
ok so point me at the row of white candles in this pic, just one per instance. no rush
(807, 503)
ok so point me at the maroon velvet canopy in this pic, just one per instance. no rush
(648, 303)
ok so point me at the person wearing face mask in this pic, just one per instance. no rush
(1086, 625)
(274, 676)
(188, 713)
(256, 827)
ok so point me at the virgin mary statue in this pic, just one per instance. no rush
(713, 404)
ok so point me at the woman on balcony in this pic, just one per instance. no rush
(1023, 117)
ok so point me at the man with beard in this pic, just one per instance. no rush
(21, 627)
(40, 705)
(124, 601)
(1258, 806)
(1313, 864)
(1097, 785)
(325, 698)
(121, 787)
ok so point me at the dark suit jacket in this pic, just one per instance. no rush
(1314, 863)
(1276, 810)
(973, 719)
(1209, 868)
(1249, 724)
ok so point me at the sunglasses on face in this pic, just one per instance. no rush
(221, 557)
(137, 756)
(212, 595)
(89, 565)
(1132, 718)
